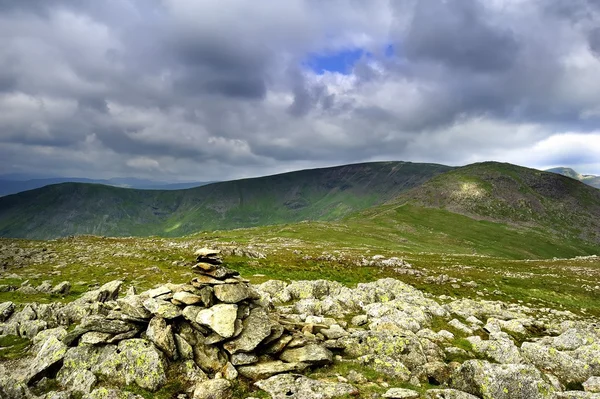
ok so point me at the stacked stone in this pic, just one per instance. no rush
(215, 327)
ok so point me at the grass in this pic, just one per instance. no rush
(13, 347)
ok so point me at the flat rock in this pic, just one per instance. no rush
(231, 293)
(187, 298)
(162, 336)
(401, 393)
(161, 308)
(205, 252)
(220, 318)
(256, 327)
(313, 354)
(448, 394)
(241, 359)
(51, 352)
(292, 386)
(133, 305)
(263, 370)
(213, 389)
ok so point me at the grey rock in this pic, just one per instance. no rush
(187, 298)
(108, 393)
(256, 327)
(360, 320)
(313, 354)
(6, 310)
(79, 381)
(133, 305)
(162, 308)
(502, 381)
(184, 349)
(10, 387)
(231, 293)
(107, 292)
(576, 395)
(30, 328)
(592, 384)
(220, 318)
(209, 358)
(401, 393)
(95, 338)
(499, 348)
(263, 370)
(188, 372)
(229, 372)
(62, 288)
(135, 361)
(51, 352)
(448, 394)
(213, 389)
(590, 355)
(568, 369)
(241, 359)
(291, 386)
(162, 336)
(334, 332)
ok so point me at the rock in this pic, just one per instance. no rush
(256, 327)
(106, 393)
(6, 310)
(184, 349)
(334, 332)
(213, 389)
(214, 271)
(62, 288)
(460, 326)
(77, 381)
(400, 393)
(162, 308)
(133, 305)
(30, 328)
(10, 388)
(502, 381)
(292, 386)
(162, 336)
(188, 372)
(267, 369)
(592, 384)
(209, 358)
(577, 395)
(590, 355)
(207, 253)
(161, 291)
(448, 394)
(568, 369)
(135, 361)
(313, 354)
(241, 359)
(107, 292)
(499, 348)
(220, 318)
(231, 293)
(58, 333)
(360, 320)
(187, 298)
(95, 338)
(229, 372)
(51, 353)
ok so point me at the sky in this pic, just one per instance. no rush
(209, 90)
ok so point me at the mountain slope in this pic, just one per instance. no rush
(590, 180)
(318, 194)
(522, 199)
(8, 186)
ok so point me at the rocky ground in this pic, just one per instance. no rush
(218, 336)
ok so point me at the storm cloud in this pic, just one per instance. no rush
(206, 90)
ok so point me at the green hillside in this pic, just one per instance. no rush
(318, 194)
(590, 180)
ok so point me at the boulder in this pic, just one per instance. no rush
(50, 354)
(162, 336)
(263, 370)
(162, 308)
(401, 393)
(592, 384)
(107, 393)
(313, 354)
(447, 394)
(187, 298)
(213, 389)
(256, 327)
(292, 386)
(6, 310)
(232, 293)
(135, 361)
(133, 305)
(568, 369)
(220, 318)
(502, 381)
(62, 288)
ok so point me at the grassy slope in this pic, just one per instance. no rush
(319, 194)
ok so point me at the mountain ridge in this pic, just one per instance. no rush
(591, 180)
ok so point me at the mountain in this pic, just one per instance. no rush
(591, 180)
(498, 205)
(12, 184)
(317, 194)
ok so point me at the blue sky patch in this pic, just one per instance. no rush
(341, 62)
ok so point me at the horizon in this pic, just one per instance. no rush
(160, 90)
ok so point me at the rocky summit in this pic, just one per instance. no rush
(219, 337)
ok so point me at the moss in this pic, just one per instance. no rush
(13, 347)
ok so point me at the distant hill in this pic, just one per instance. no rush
(317, 194)
(10, 184)
(591, 180)
(516, 196)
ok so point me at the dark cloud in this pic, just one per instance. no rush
(189, 89)
(456, 33)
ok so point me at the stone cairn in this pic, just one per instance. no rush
(216, 324)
